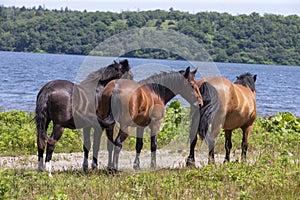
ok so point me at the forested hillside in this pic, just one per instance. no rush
(267, 39)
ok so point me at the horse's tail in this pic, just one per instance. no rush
(41, 117)
(209, 109)
(108, 119)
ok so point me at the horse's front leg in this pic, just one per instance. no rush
(190, 162)
(123, 134)
(55, 136)
(138, 147)
(86, 147)
(154, 133)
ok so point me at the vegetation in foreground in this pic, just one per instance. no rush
(274, 174)
(262, 180)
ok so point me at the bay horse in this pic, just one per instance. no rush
(73, 106)
(226, 105)
(142, 104)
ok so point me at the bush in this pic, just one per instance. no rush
(18, 135)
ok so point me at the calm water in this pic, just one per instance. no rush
(23, 74)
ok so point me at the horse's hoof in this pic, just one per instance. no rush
(136, 167)
(85, 165)
(48, 167)
(211, 162)
(94, 166)
(85, 168)
(153, 167)
(111, 171)
(40, 166)
(190, 163)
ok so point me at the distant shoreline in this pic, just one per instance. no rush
(252, 39)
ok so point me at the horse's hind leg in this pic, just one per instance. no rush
(110, 146)
(41, 150)
(55, 136)
(211, 153)
(246, 132)
(228, 145)
(86, 147)
(96, 146)
(123, 134)
(211, 142)
(138, 147)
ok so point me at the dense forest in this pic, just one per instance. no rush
(267, 39)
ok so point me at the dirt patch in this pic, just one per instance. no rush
(73, 161)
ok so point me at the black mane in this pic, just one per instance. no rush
(95, 76)
(164, 79)
(106, 74)
(246, 79)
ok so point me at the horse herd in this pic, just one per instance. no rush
(110, 95)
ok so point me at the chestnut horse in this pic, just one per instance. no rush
(72, 106)
(226, 105)
(142, 104)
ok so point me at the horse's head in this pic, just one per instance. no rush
(117, 70)
(190, 77)
(247, 80)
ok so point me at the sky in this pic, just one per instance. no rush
(234, 7)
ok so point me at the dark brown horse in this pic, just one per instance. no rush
(142, 104)
(72, 106)
(226, 105)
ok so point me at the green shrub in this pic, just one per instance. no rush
(279, 132)
(18, 135)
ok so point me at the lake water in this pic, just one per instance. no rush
(23, 74)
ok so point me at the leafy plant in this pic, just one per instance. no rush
(18, 135)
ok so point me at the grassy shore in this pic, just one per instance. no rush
(274, 173)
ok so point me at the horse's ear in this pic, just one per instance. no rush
(254, 78)
(195, 71)
(124, 62)
(115, 62)
(187, 72)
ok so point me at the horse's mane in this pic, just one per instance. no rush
(246, 79)
(95, 76)
(161, 77)
(164, 79)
